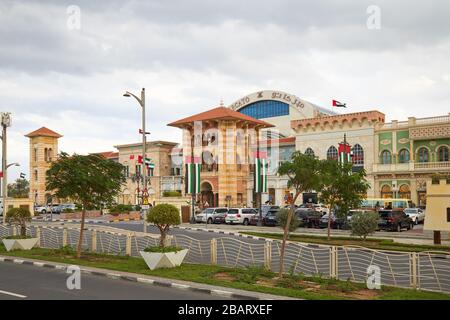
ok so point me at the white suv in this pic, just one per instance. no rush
(240, 215)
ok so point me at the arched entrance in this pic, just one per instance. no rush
(386, 191)
(404, 192)
(207, 195)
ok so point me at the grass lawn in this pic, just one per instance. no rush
(252, 279)
(380, 244)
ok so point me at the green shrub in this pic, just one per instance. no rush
(282, 216)
(163, 216)
(171, 194)
(20, 217)
(68, 210)
(364, 223)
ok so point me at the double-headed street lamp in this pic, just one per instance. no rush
(141, 101)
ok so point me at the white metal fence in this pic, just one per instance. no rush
(421, 270)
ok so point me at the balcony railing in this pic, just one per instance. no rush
(432, 165)
(411, 166)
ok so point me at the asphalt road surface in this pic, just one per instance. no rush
(30, 282)
(199, 235)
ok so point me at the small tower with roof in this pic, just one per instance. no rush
(43, 150)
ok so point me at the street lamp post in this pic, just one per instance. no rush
(141, 101)
(5, 122)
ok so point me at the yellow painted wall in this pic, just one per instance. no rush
(438, 200)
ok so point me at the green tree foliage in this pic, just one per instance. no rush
(19, 189)
(90, 180)
(303, 172)
(364, 223)
(282, 218)
(341, 188)
(163, 216)
(20, 217)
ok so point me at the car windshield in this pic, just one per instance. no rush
(410, 210)
(208, 211)
(385, 214)
(233, 211)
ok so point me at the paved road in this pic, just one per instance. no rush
(30, 282)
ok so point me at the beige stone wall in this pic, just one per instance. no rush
(160, 156)
(438, 202)
(20, 203)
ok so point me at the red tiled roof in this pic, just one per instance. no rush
(220, 113)
(108, 154)
(45, 132)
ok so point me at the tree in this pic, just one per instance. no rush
(303, 175)
(90, 180)
(364, 223)
(19, 189)
(341, 188)
(163, 216)
(20, 217)
(282, 217)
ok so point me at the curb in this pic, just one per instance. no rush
(117, 275)
(87, 221)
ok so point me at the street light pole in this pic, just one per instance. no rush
(6, 122)
(141, 101)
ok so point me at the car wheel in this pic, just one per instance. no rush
(209, 221)
(411, 226)
(43, 211)
(399, 228)
(416, 221)
(245, 222)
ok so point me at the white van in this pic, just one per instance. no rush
(240, 215)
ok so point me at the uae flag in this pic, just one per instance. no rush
(338, 104)
(344, 153)
(192, 177)
(260, 174)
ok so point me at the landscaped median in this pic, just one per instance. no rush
(254, 279)
(371, 243)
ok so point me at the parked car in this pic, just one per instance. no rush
(336, 223)
(318, 207)
(308, 217)
(416, 214)
(41, 209)
(269, 219)
(267, 208)
(219, 218)
(70, 206)
(208, 214)
(394, 220)
(56, 208)
(240, 215)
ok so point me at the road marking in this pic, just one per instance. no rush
(13, 294)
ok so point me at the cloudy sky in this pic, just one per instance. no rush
(190, 54)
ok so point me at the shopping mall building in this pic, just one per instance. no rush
(399, 157)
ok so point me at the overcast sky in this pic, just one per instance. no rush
(190, 54)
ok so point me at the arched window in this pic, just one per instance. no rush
(332, 153)
(443, 153)
(35, 175)
(403, 156)
(404, 192)
(309, 152)
(35, 154)
(358, 155)
(50, 154)
(423, 155)
(45, 154)
(386, 191)
(386, 157)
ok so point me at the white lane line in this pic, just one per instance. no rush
(13, 294)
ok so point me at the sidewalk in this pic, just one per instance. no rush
(400, 237)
